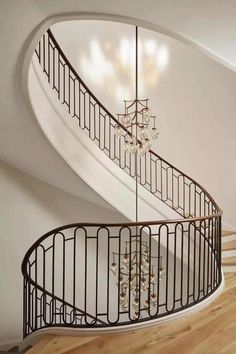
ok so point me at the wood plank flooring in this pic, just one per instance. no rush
(210, 331)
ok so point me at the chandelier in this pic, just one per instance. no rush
(137, 270)
(140, 127)
(136, 125)
(137, 276)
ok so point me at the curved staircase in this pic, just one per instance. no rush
(67, 278)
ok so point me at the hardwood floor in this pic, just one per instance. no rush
(211, 331)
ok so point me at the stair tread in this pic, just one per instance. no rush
(227, 233)
(228, 246)
(229, 261)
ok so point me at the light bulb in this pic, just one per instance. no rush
(153, 279)
(125, 260)
(135, 291)
(113, 268)
(126, 120)
(126, 146)
(118, 131)
(124, 306)
(123, 297)
(155, 133)
(125, 285)
(136, 304)
(121, 281)
(146, 111)
(146, 115)
(153, 299)
(132, 285)
(143, 284)
(141, 151)
(161, 273)
(142, 132)
(146, 144)
(135, 316)
(144, 266)
(133, 148)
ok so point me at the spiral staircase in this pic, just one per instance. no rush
(67, 280)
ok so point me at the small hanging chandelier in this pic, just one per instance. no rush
(137, 270)
(140, 126)
(137, 276)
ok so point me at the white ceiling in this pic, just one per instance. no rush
(207, 24)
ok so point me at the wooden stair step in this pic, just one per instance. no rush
(227, 233)
(231, 261)
(229, 246)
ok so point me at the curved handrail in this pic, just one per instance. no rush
(199, 230)
(198, 279)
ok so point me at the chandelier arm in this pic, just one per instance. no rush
(140, 125)
(122, 254)
(133, 102)
(138, 99)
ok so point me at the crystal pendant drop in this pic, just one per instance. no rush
(146, 115)
(125, 260)
(141, 151)
(120, 281)
(153, 299)
(135, 316)
(124, 306)
(154, 133)
(161, 274)
(113, 268)
(161, 270)
(153, 279)
(143, 284)
(135, 303)
(118, 131)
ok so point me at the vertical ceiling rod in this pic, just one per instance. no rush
(136, 97)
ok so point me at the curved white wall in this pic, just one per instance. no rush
(30, 208)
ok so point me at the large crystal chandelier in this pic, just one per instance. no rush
(137, 270)
(137, 125)
(140, 127)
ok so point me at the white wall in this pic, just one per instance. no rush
(193, 96)
(29, 208)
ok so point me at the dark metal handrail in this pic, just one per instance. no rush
(48, 300)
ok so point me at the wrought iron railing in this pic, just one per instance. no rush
(67, 281)
(177, 190)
